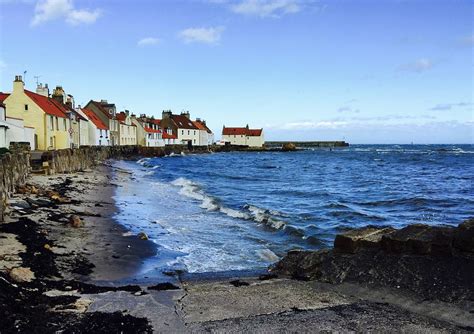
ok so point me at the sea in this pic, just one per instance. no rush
(243, 211)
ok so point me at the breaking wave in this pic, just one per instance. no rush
(269, 218)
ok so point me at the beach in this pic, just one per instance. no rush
(84, 275)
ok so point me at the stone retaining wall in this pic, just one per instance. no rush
(72, 160)
(14, 169)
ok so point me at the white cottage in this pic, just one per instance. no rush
(14, 130)
(99, 134)
(243, 136)
(182, 127)
(206, 137)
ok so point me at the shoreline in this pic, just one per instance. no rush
(87, 276)
(115, 256)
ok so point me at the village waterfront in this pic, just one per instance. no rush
(160, 244)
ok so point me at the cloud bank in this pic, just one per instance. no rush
(49, 10)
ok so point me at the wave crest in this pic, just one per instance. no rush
(193, 190)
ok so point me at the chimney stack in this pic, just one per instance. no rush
(59, 95)
(18, 85)
(186, 114)
(166, 114)
(42, 90)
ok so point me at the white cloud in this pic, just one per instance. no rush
(418, 66)
(348, 109)
(76, 17)
(308, 125)
(48, 10)
(147, 41)
(449, 106)
(202, 35)
(267, 8)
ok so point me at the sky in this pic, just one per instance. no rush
(375, 71)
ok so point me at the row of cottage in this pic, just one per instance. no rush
(52, 121)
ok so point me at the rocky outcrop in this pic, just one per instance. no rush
(433, 262)
(288, 147)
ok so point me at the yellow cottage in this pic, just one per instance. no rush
(46, 116)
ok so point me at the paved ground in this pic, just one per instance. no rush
(283, 306)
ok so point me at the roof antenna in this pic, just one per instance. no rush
(24, 77)
(37, 77)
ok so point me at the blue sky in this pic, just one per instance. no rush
(363, 71)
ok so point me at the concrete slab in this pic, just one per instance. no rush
(211, 301)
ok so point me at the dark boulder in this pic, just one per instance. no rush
(288, 147)
(464, 237)
(368, 237)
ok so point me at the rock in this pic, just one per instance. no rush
(287, 147)
(142, 236)
(19, 204)
(39, 202)
(22, 274)
(75, 221)
(368, 237)
(401, 240)
(301, 264)
(58, 198)
(464, 237)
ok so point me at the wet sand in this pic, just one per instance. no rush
(116, 255)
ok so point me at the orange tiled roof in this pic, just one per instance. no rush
(242, 131)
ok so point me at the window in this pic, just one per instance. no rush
(194, 132)
(182, 132)
(26, 107)
(188, 132)
(57, 124)
(65, 124)
(51, 123)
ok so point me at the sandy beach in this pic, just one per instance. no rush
(66, 264)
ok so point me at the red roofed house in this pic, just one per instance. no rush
(107, 113)
(127, 130)
(79, 127)
(181, 127)
(148, 131)
(243, 136)
(43, 114)
(99, 134)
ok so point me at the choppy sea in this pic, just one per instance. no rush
(243, 211)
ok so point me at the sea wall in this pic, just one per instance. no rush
(72, 160)
(14, 169)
